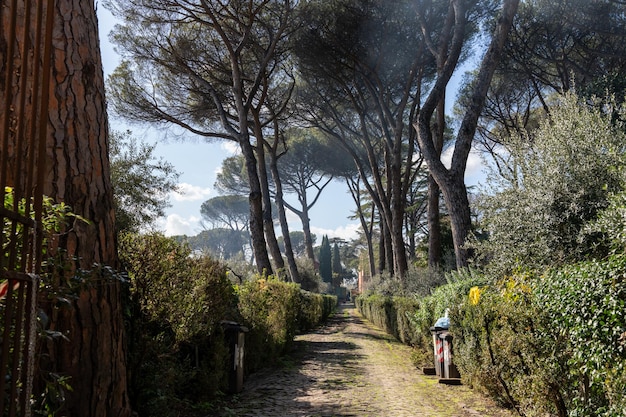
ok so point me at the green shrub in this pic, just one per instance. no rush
(443, 298)
(392, 314)
(310, 280)
(419, 281)
(314, 309)
(270, 309)
(311, 310)
(405, 308)
(329, 306)
(497, 348)
(174, 307)
(548, 345)
(274, 311)
(585, 304)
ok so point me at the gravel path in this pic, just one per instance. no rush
(349, 368)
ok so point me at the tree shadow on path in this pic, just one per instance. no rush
(318, 366)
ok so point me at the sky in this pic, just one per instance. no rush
(198, 162)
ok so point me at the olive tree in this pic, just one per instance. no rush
(558, 183)
(141, 182)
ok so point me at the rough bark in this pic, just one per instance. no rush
(434, 193)
(355, 192)
(306, 229)
(434, 225)
(398, 206)
(268, 220)
(303, 214)
(256, 209)
(77, 173)
(282, 216)
(382, 258)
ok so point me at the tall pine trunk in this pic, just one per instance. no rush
(434, 216)
(282, 216)
(77, 173)
(434, 224)
(268, 218)
(255, 198)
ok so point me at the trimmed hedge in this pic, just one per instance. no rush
(392, 314)
(275, 311)
(553, 344)
(315, 309)
(173, 308)
(545, 345)
(409, 319)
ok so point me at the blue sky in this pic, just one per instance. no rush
(199, 161)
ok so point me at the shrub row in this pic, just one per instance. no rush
(274, 311)
(409, 319)
(315, 309)
(175, 303)
(544, 345)
(549, 345)
(392, 314)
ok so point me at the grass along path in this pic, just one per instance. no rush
(349, 368)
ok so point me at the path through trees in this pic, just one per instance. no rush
(351, 369)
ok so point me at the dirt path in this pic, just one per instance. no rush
(349, 368)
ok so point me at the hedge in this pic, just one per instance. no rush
(275, 311)
(550, 344)
(173, 307)
(545, 345)
(392, 314)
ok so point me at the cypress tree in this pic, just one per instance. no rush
(325, 260)
(336, 266)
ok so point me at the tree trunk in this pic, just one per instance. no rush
(306, 229)
(382, 260)
(282, 216)
(77, 173)
(303, 215)
(398, 201)
(385, 250)
(261, 256)
(353, 186)
(268, 220)
(451, 181)
(455, 196)
(434, 224)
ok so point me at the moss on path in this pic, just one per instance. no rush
(349, 368)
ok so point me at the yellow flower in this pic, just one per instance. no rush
(474, 296)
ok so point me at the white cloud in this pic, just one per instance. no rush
(175, 225)
(347, 232)
(292, 218)
(231, 147)
(188, 192)
(474, 171)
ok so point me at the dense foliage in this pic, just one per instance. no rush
(176, 306)
(390, 314)
(325, 259)
(275, 311)
(560, 178)
(548, 344)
